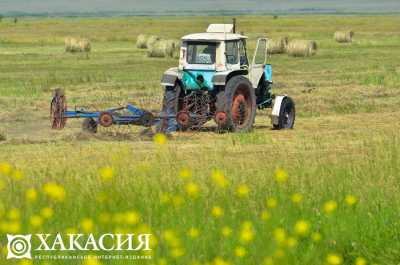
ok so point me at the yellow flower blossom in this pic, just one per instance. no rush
(107, 173)
(242, 190)
(272, 202)
(217, 211)
(330, 206)
(5, 168)
(219, 178)
(268, 261)
(247, 232)
(226, 231)
(160, 139)
(177, 252)
(13, 227)
(316, 236)
(193, 232)
(302, 227)
(31, 195)
(165, 198)
(17, 175)
(132, 217)
(36, 220)
(185, 173)
(192, 189)
(14, 214)
(265, 215)
(25, 262)
(87, 225)
(220, 261)
(334, 259)
(280, 235)
(360, 261)
(281, 175)
(71, 230)
(240, 252)
(54, 191)
(350, 200)
(297, 198)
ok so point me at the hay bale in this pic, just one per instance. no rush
(151, 41)
(164, 48)
(301, 48)
(343, 36)
(141, 41)
(77, 45)
(84, 45)
(278, 46)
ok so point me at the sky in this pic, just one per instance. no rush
(159, 6)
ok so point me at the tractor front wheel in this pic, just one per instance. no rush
(236, 106)
(287, 115)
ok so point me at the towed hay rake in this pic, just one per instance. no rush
(126, 115)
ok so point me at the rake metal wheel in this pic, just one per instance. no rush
(57, 108)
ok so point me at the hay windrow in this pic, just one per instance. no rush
(278, 46)
(302, 48)
(344, 36)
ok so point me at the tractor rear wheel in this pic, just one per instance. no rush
(236, 105)
(89, 125)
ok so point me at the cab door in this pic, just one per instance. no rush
(259, 60)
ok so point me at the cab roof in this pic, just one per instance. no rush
(213, 37)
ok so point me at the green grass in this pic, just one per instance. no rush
(345, 143)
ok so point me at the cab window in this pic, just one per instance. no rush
(201, 53)
(232, 53)
(242, 53)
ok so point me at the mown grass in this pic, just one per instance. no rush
(345, 143)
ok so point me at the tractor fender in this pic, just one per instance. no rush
(170, 77)
(221, 78)
(276, 109)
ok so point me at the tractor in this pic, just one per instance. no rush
(216, 80)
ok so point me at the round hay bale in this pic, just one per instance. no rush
(301, 48)
(67, 44)
(158, 49)
(344, 36)
(74, 45)
(277, 46)
(141, 41)
(151, 41)
(84, 45)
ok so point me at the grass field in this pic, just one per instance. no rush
(326, 192)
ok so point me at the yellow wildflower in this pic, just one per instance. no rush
(280, 235)
(54, 191)
(247, 232)
(351, 200)
(242, 190)
(220, 261)
(160, 139)
(132, 217)
(14, 227)
(272, 202)
(301, 227)
(25, 262)
(165, 198)
(240, 252)
(14, 214)
(107, 173)
(36, 220)
(219, 178)
(268, 261)
(226, 231)
(5, 168)
(281, 175)
(177, 200)
(87, 225)
(71, 230)
(316, 236)
(217, 211)
(297, 198)
(168, 235)
(17, 175)
(177, 252)
(360, 261)
(330, 206)
(265, 215)
(334, 259)
(192, 189)
(291, 242)
(185, 173)
(193, 232)
(31, 194)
